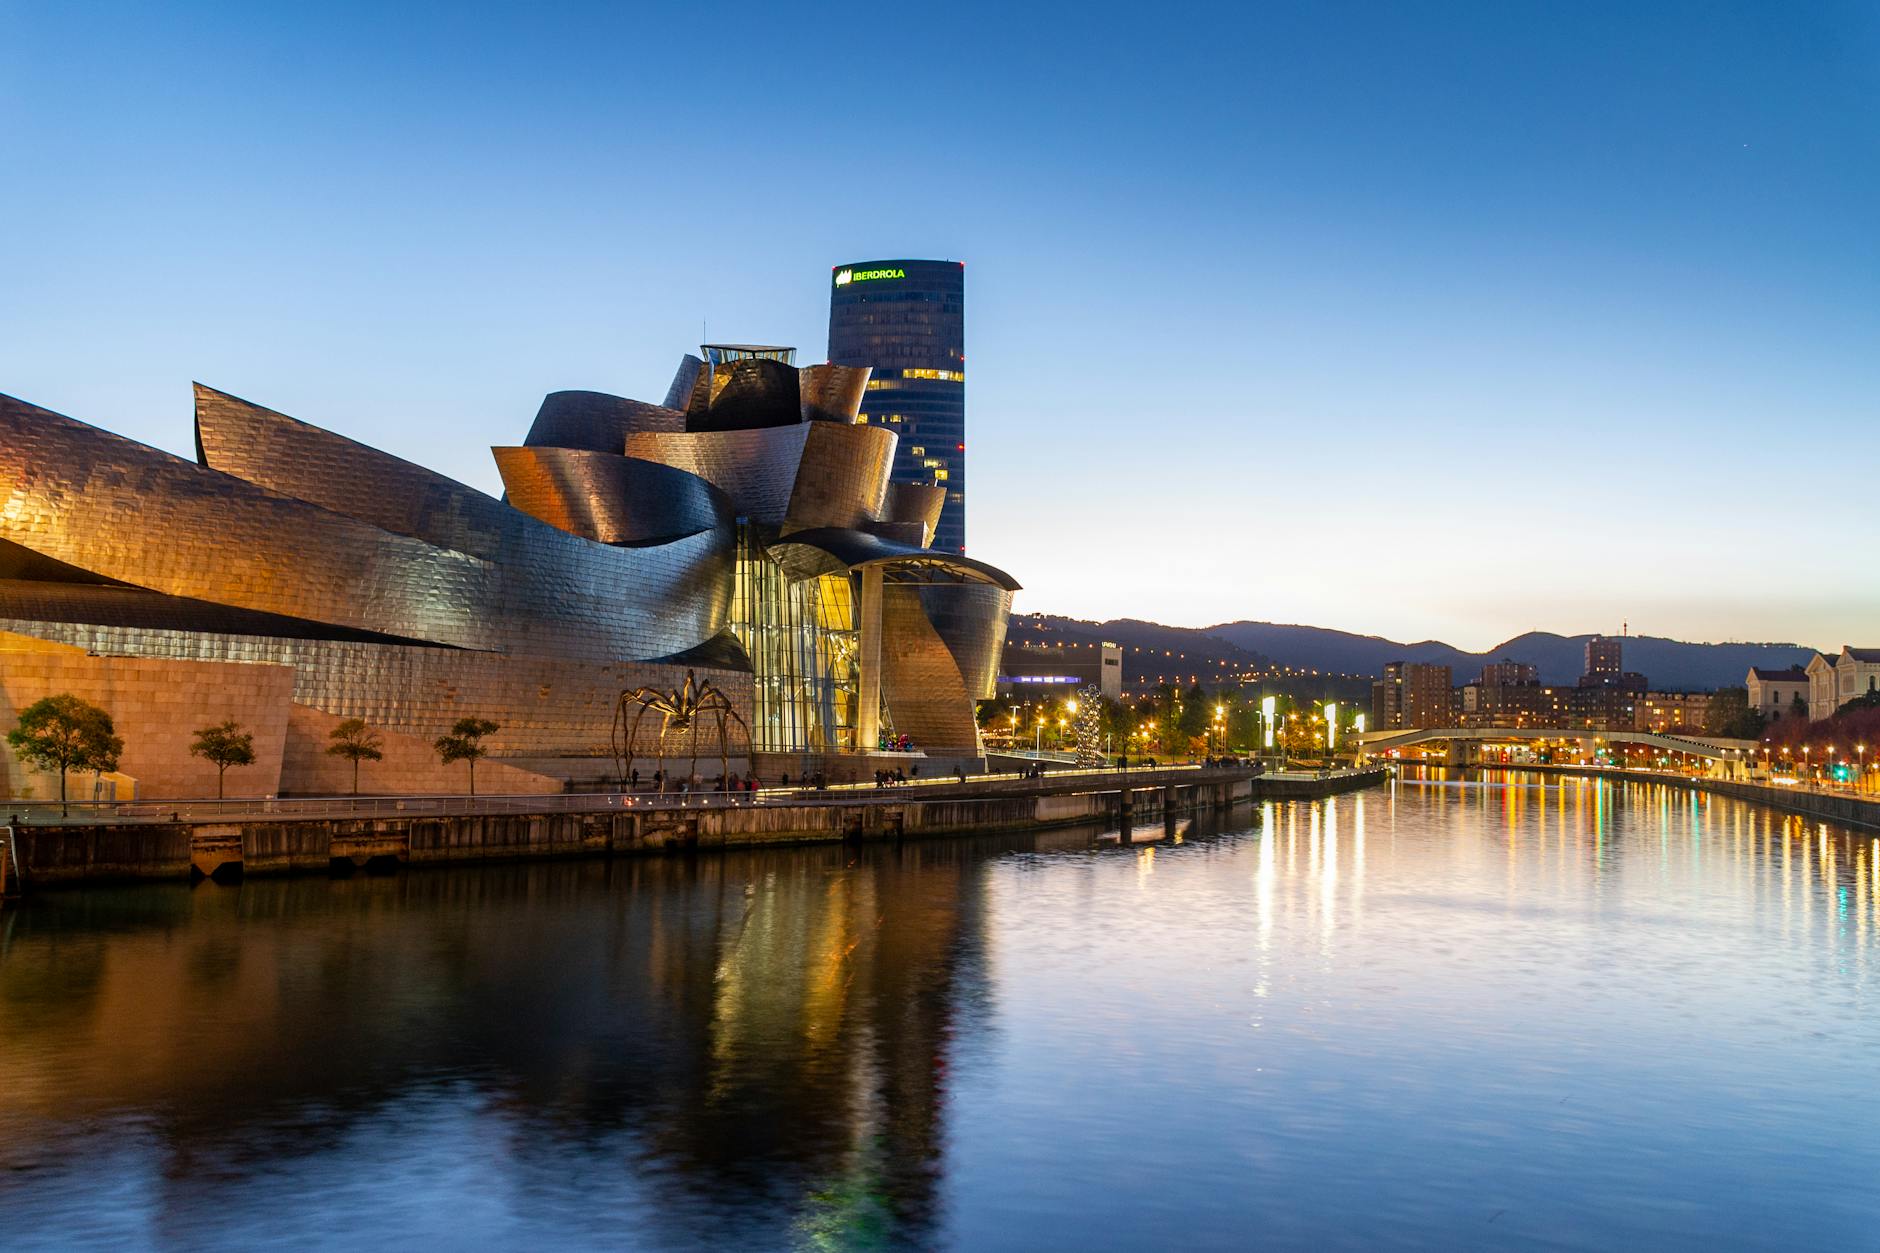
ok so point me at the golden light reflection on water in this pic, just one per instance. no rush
(887, 1044)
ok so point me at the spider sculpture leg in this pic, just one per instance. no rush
(633, 738)
(694, 721)
(724, 761)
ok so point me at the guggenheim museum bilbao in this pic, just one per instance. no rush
(745, 531)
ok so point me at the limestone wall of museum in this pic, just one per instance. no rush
(410, 766)
(157, 706)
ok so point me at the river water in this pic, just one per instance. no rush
(1501, 1011)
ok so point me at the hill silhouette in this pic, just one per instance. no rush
(1213, 652)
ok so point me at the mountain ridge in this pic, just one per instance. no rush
(1668, 664)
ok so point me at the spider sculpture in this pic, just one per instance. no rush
(681, 710)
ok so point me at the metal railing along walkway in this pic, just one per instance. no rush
(287, 809)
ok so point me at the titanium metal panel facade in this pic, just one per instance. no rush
(596, 421)
(833, 393)
(532, 588)
(918, 503)
(748, 394)
(811, 474)
(921, 686)
(609, 498)
(629, 550)
(907, 319)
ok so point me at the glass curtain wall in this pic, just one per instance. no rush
(802, 640)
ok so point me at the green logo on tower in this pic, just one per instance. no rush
(845, 277)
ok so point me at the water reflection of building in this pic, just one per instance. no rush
(749, 1035)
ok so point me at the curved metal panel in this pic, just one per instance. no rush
(970, 619)
(823, 551)
(749, 394)
(756, 469)
(293, 458)
(911, 534)
(832, 393)
(919, 503)
(610, 498)
(684, 383)
(113, 604)
(921, 685)
(596, 421)
(126, 511)
(842, 477)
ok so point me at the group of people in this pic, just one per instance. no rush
(892, 778)
(732, 784)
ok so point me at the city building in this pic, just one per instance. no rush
(1671, 711)
(1604, 660)
(1412, 694)
(1509, 673)
(1605, 667)
(906, 320)
(1824, 690)
(1772, 693)
(1031, 671)
(1522, 705)
(744, 536)
(1834, 680)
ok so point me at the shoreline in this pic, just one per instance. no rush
(1846, 809)
(73, 854)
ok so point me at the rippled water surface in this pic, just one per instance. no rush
(1494, 1012)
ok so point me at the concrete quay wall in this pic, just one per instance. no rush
(1849, 810)
(67, 854)
(71, 854)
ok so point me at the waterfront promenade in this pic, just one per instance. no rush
(209, 838)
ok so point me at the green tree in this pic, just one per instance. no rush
(1243, 725)
(1798, 708)
(465, 743)
(1730, 715)
(65, 733)
(1167, 719)
(356, 742)
(1197, 712)
(1866, 700)
(223, 745)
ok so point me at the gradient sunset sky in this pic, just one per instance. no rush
(1425, 320)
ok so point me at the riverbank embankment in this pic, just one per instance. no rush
(264, 844)
(1829, 806)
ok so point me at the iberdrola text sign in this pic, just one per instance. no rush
(845, 277)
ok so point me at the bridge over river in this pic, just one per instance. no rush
(1728, 758)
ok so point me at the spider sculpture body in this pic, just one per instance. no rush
(681, 710)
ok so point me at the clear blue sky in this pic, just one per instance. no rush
(1429, 320)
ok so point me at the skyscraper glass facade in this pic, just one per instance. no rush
(907, 320)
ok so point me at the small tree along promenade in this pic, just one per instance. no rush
(223, 745)
(64, 733)
(465, 743)
(356, 742)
